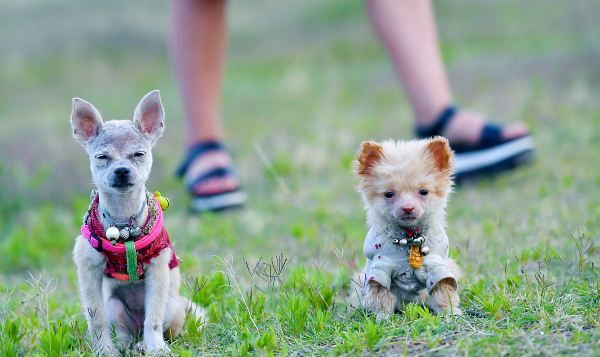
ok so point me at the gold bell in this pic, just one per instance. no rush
(415, 259)
(163, 201)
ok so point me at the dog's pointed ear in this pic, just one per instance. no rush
(441, 153)
(368, 155)
(86, 121)
(149, 116)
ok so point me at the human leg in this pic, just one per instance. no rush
(407, 30)
(198, 43)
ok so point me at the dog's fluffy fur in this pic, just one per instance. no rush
(152, 306)
(405, 169)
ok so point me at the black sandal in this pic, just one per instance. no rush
(490, 155)
(213, 202)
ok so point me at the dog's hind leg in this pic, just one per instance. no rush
(179, 308)
(174, 318)
(174, 312)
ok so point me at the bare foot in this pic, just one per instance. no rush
(465, 128)
(204, 164)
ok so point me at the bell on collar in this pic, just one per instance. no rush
(135, 232)
(397, 241)
(419, 241)
(124, 233)
(112, 233)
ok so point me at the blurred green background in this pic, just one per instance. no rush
(306, 81)
(300, 76)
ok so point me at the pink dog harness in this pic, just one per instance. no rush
(146, 247)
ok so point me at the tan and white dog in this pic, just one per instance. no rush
(133, 294)
(405, 187)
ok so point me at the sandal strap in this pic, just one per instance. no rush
(491, 135)
(439, 123)
(197, 150)
(218, 172)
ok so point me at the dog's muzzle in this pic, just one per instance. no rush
(121, 178)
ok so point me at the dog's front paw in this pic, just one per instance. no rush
(382, 315)
(447, 311)
(380, 301)
(160, 351)
(105, 347)
(444, 299)
(457, 312)
(141, 349)
(454, 311)
(156, 346)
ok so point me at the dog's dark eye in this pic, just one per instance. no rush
(388, 194)
(139, 154)
(423, 192)
(101, 157)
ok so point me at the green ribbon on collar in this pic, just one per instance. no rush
(131, 260)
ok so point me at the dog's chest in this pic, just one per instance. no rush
(132, 295)
(378, 246)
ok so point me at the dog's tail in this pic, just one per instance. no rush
(186, 310)
(194, 311)
(454, 269)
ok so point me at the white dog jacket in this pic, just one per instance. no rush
(387, 264)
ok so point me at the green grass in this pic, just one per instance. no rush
(306, 82)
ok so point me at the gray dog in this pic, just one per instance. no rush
(134, 294)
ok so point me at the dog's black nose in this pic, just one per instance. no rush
(121, 171)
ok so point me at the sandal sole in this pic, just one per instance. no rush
(507, 164)
(481, 160)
